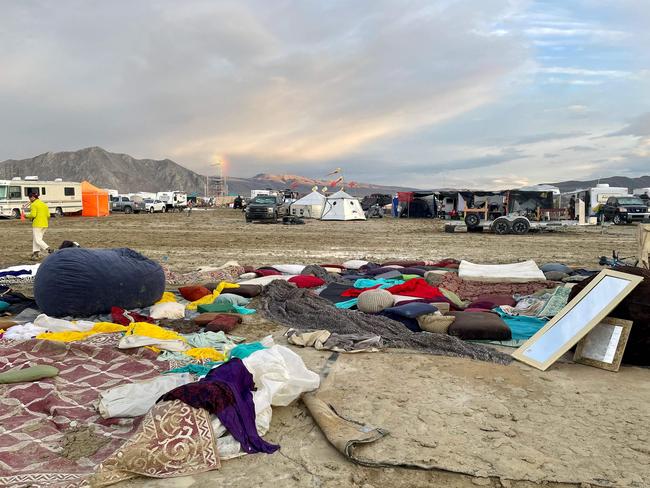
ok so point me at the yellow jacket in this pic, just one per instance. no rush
(39, 213)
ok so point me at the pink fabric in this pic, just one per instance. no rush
(472, 290)
(306, 281)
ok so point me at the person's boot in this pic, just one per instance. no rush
(49, 250)
(35, 256)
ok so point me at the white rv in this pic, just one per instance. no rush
(61, 197)
(174, 200)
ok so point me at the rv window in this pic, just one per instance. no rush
(3, 192)
(29, 190)
(68, 191)
(14, 192)
(42, 190)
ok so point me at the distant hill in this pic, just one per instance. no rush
(127, 174)
(619, 181)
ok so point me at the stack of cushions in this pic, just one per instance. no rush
(223, 323)
(407, 314)
(194, 292)
(479, 326)
(306, 281)
(374, 301)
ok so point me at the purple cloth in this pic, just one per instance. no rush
(227, 393)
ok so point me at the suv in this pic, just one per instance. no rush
(126, 205)
(622, 210)
(154, 205)
(266, 207)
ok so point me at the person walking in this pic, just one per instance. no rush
(40, 216)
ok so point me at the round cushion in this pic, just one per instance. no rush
(374, 301)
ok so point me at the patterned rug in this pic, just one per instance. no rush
(50, 431)
(173, 440)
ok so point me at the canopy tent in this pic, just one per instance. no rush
(95, 201)
(341, 206)
(309, 206)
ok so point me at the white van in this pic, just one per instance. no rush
(61, 197)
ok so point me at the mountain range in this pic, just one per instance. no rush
(127, 174)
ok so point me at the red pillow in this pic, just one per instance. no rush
(194, 292)
(267, 272)
(223, 323)
(306, 281)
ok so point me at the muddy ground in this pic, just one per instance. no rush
(505, 425)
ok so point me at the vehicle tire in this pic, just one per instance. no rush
(128, 210)
(275, 218)
(501, 226)
(151, 210)
(617, 219)
(520, 226)
(15, 213)
(58, 212)
(472, 220)
(248, 220)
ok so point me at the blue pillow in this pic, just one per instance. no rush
(412, 310)
(4, 306)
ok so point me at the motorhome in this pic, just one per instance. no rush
(594, 199)
(174, 200)
(61, 197)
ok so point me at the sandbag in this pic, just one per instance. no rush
(82, 282)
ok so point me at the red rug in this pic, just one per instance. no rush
(50, 431)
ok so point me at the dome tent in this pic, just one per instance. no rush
(309, 206)
(341, 206)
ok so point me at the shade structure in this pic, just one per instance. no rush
(95, 201)
(310, 206)
(341, 206)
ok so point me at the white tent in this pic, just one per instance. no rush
(309, 206)
(341, 206)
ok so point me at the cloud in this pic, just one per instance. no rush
(580, 148)
(486, 161)
(638, 127)
(604, 73)
(548, 136)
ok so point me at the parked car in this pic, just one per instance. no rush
(124, 204)
(623, 210)
(266, 207)
(154, 205)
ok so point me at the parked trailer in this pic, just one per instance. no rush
(511, 224)
(174, 200)
(61, 197)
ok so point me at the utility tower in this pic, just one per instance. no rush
(216, 184)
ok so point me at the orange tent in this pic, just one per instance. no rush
(95, 201)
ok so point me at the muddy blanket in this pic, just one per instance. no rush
(55, 420)
(300, 308)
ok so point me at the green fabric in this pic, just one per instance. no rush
(242, 351)
(33, 373)
(453, 298)
(407, 277)
(557, 302)
(197, 369)
(216, 307)
(3, 306)
(217, 340)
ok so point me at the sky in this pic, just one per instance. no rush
(437, 93)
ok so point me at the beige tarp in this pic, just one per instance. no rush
(644, 245)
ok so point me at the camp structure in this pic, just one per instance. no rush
(308, 207)
(341, 206)
(95, 201)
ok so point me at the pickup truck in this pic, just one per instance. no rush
(266, 207)
(622, 210)
(126, 205)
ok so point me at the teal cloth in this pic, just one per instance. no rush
(383, 283)
(3, 306)
(197, 369)
(347, 303)
(225, 306)
(242, 351)
(231, 298)
(522, 326)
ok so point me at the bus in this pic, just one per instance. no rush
(61, 197)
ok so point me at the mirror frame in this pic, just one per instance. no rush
(520, 354)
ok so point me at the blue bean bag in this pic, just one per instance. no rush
(82, 282)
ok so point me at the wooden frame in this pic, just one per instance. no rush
(583, 313)
(604, 345)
